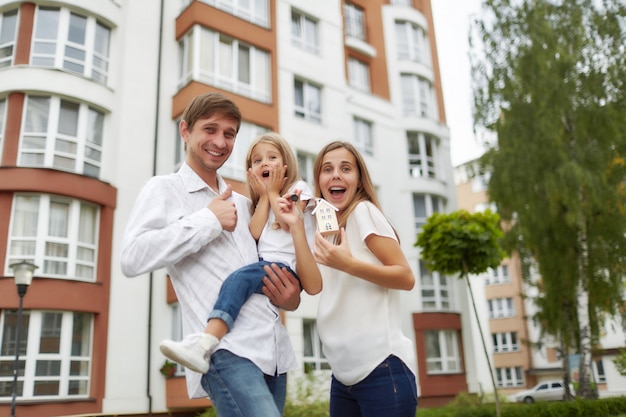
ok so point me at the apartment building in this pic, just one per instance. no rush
(90, 99)
(521, 357)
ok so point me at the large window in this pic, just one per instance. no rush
(505, 342)
(442, 352)
(412, 43)
(363, 135)
(305, 165)
(55, 354)
(254, 11)
(354, 21)
(424, 205)
(501, 308)
(509, 377)
(421, 154)
(304, 32)
(2, 123)
(418, 96)
(359, 73)
(308, 100)
(75, 43)
(313, 357)
(62, 134)
(225, 62)
(435, 289)
(57, 233)
(499, 275)
(8, 25)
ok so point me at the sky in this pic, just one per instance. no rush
(452, 19)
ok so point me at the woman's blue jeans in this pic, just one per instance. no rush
(389, 390)
(238, 388)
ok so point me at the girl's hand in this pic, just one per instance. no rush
(277, 180)
(255, 183)
(289, 212)
(334, 256)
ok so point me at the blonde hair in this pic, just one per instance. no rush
(289, 159)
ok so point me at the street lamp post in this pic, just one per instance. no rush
(23, 273)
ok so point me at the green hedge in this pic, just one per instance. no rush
(607, 407)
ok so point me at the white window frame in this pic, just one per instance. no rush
(422, 149)
(509, 377)
(88, 56)
(435, 289)
(505, 342)
(305, 166)
(402, 3)
(600, 372)
(418, 96)
(501, 308)
(445, 358)
(51, 231)
(313, 354)
(412, 43)
(424, 205)
(310, 95)
(8, 34)
(359, 74)
(3, 111)
(354, 21)
(220, 60)
(53, 135)
(363, 138)
(61, 366)
(255, 11)
(304, 31)
(498, 275)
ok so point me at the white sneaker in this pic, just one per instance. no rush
(193, 351)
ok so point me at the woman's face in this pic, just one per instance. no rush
(264, 158)
(339, 178)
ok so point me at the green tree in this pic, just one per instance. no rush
(463, 243)
(555, 100)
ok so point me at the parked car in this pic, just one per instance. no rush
(544, 391)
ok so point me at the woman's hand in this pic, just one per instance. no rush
(329, 254)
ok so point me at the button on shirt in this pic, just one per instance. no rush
(172, 228)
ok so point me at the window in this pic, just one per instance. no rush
(235, 166)
(305, 164)
(421, 153)
(505, 342)
(499, 275)
(354, 21)
(442, 352)
(600, 371)
(57, 233)
(177, 332)
(313, 357)
(72, 42)
(254, 11)
(304, 32)
(307, 101)
(219, 60)
(359, 73)
(8, 26)
(363, 135)
(418, 97)
(2, 121)
(55, 354)
(62, 134)
(401, 2)
(435, 289)
(509, 377)
(501, 308)
(424, 205)
(412, 43)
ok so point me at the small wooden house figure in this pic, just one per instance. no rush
(326, 216)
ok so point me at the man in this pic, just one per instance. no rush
(195, 226)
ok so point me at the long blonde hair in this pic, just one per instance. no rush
(289, 159)
(365, 190)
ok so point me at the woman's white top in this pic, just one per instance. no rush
(276, 245)
(359, 322)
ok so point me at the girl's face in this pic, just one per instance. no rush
(339, 178)
(264, 158)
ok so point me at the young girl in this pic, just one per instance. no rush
(359, 312)
(272, 174)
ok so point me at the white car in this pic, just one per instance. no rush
(544, 391)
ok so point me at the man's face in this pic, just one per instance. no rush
(210, 142)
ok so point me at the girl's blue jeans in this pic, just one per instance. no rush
(389, 390)
(238, 388)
